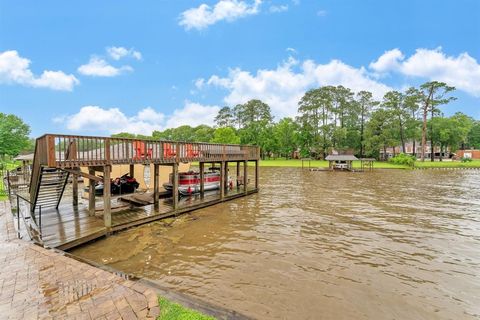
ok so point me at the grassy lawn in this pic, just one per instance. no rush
(322, 164)
(377, 164)
(173, 311)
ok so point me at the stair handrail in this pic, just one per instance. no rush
(33, 221)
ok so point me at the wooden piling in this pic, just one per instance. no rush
(107, 212)
(175, 186)
(156, 191)
(75, 190)
(256, 174)
(245, 176)
(202, 179)
(91, 193)
(132, 170)
(222, 180)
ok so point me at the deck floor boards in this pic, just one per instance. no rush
(69, 226)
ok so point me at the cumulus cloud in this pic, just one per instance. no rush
(114, 120)
(98, 67)
(462, 71)
(283, 87)
(117, 53)
(192, 114)
(228, 10)
(278, 8)
(16, 69)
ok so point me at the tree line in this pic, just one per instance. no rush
(335, 117)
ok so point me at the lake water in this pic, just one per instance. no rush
(387, 244)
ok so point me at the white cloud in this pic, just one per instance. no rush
(98, 67)
(278, 8)
(113, 120)
(283, 87)
(322, 13)
(15, 69)
(199, 83)
(228, 10)
(117, 53)
(462, 71)
(192, 114)
(390, 60)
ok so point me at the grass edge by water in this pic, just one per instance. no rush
(172, 311)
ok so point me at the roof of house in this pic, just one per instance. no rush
(24, 157)
(341, 157)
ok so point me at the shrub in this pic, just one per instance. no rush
(403, 159)
(464, 159)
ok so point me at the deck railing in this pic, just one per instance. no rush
(68, 151)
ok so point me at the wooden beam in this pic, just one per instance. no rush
(91, 192)
(222, 180)
(75, 189)
(256, 174)
(107, 212)
(175, 186)
(238, 173)
(132, 170)
(155, 184)
(83, 174)
(202, 179)
(245, 176)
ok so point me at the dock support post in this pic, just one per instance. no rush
(245, 176)
(107, 212)
(238, 174)
(156, 193)
(75, 189)
(222, 180)
(226, 184)
(91, 193)
(175, 186)
(256, 174)
(132, 170)
(202, 179)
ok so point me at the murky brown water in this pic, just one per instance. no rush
(387, 244)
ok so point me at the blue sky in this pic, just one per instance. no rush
(100, 67)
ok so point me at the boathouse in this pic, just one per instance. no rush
(60, 159)
(340, 161)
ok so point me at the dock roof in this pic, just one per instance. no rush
(341, 157)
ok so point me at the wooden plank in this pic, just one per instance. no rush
(107, 213)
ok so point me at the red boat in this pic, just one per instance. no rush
(189, 182)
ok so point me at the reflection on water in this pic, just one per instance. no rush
(387, 244)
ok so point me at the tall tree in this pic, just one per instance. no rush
(395, 102)
(286, 136)
(225, 135)
(432, 94)
(366, 104)
(13, 135)
(224, 117)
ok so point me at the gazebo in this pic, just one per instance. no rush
(340, 161)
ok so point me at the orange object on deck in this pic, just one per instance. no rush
(191, 152)
(141, 152)
(168, 150)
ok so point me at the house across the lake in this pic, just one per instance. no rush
(438, 153)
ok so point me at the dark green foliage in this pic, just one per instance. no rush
(403, 159)
(13, 135)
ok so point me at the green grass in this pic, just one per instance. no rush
(323, 164)
(447, 164)
(377, 164)
(173, 311)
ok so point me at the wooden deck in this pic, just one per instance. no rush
(69, 226)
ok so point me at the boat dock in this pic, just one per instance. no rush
(61, 219)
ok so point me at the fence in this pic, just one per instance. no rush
(14, 181)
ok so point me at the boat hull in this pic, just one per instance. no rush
(189, 182)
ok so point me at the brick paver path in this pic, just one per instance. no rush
(37, 283)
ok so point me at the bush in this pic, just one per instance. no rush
(464, 159)
(403, 159)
